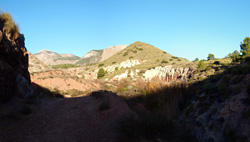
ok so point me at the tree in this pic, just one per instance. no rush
(245, 46)
(210, 56)
(196, 59)
(201, 65)
(235, 56)
(101, 73)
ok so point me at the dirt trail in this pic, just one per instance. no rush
(70, 120)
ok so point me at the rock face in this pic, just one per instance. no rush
(14, 74)
(112, 50)
(169, 73)
(52, 58)
(124, 64)
(95, 56)
(36, 65)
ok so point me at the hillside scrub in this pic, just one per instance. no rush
(64, 66)
(101, 73)
(9, 25)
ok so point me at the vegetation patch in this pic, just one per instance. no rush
(64, 66)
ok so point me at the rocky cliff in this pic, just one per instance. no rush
(169, 73)
(14, 74)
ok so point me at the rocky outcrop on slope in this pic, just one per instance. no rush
(169, 73)
(52, 58)
(14, 74)
(112, 50)
(124, 64)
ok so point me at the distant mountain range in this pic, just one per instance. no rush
(92, 57)
(53, 58)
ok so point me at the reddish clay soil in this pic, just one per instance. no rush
(69, 120)
(63, 81)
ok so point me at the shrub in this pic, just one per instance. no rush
(170, 59)
(135, 51)
(11, 26)
(157, 60)
(100, 65)
(131, 57)
(217, 62)
(175, 57)
(179, 60)
(140, 49)
(64, 66)
(101, 73)
(164, 61)
(116, 68)
(125, 54)
(113, 62)
(201, 65)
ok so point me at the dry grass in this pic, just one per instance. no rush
(9, 25)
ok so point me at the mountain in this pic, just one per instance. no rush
(143, 52)
(112, 50)
(36, 65)
(95, 56)
(141, 60)
(52, 58)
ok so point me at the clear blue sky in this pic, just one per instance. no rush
(184, 28)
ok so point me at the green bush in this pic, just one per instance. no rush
(113, 62)
(175, 57)
(131, 57)
(125, 54)
(201, 65)
(101, 73)
(64, 66)
(100, 65)
(170, 59)
(116, 68)
(164, 61)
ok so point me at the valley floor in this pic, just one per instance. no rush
(68, 119)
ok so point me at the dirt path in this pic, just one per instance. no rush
(71, 120)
